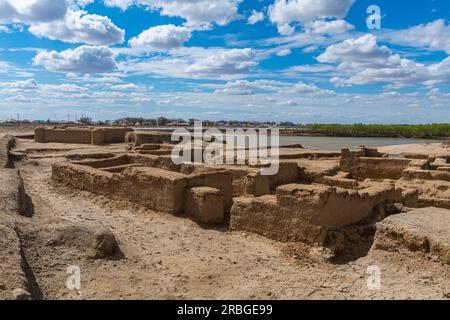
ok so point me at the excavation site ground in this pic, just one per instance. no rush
(111, 204)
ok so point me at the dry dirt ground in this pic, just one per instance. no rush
(435, 149)
(167, 257)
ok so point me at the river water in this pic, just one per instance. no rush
(337, 143)
(332, 143)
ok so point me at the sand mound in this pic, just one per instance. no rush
(84, 240)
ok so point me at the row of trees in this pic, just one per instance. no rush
(380, 130)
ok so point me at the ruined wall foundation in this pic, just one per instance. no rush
(306, 212)
(96, 136)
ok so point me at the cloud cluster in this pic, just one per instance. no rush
(245, 87)
(32, 11)
(4, 29)
(223, 73)
(57, 20)
(161, 38)
(84, 59)
(228, 62)
(304, 88)
(23, 84)
(285, 13)
(364, 61)
(80, 27)
(58, 100)
(194, 62)
(329, 27)
(255, 17)
(433, 36)
(197, 13)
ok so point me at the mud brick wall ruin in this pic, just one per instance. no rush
(366, 163)
(162, 187)
(429, 177)
(96, 136)
(296, 204)
(306, 212)
(150, 137)
(286, 206)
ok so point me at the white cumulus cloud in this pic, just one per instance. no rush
(84, 59)
(32, 11)
(197, 13)
(283, 13)
(329, 27)
(23, 84)
(434, 36)
(245, 87)
(4, 29)
(161, 38)
(80, 27)
(229, 62)
(195, 62)
(364, 61)
(283, 52)
(255, 17)
(304, 88)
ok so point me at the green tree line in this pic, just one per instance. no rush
(359, 129)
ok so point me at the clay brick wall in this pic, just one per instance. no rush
(157, 189)
(222, 180)
(301, 212)
(204, 204)
(115, 135)
(373, 168)
(288, 173)
(140, 138)
(81, 135)
(410, 174)
(85, 178)
(153, 187)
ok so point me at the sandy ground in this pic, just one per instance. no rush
(167, 257)
(424, 148)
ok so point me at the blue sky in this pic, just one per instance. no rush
(298, 60)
